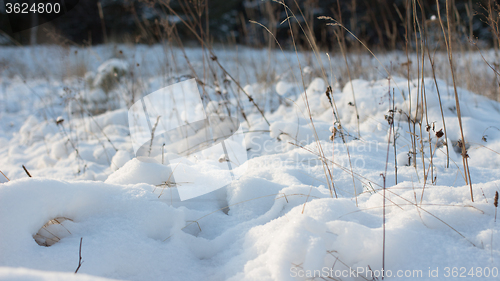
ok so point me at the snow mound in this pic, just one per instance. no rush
(135, 171)
(284, 216)
(114, 221)
(26, 274)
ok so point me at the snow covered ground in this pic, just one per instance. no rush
(308, 204)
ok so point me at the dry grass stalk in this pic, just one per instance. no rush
(4, 175)
(80, 261)
(26, 170)
(326, 169)
(495, 203)
(153, 135)
(448, 43)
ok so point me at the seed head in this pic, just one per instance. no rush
(59, 120)
(439, 133)
(328, 94)
(223, 158)
(495, 201)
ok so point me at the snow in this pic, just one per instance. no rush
(273, 215)
(26, 274)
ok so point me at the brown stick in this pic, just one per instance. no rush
(459, 115)
(26, 170)
(4, 175)
(80, 254)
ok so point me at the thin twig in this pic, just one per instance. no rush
(4, 175)
(457, 102)
(153, 136)
(26, 170)
(383, 229)
(80, 261)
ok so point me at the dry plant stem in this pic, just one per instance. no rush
(395, 194)
(394, 139)
(344, 55)
(415, 119)
(46, 106)
(168, 182)
(416, 202)
(383, 226)
(440, 205)
(445, 223)
(104, 149)
(342, 49)
(241, 88)
(214, 57)
(4, 175)
(307, 198)
(384, 177)
(423, 188)
(315, 49)
(424, 94)
(10, 38)
(26, 170)
(330, 98)
(97, 124)
(358, 176)
(336, 23)
(310, 38)
(407, 47)
(457, 102)
(71, 142)
(441, 108)
(103, 25)
(80, 256)
(153, 134)
(351, 270)
(342, 46)
(495, 203)
(306, 100)
(421, 82)
(333, 157)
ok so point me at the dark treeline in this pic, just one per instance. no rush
(378, 23)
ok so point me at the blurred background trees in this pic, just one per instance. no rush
(379, 23)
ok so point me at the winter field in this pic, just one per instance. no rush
(346, 179)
